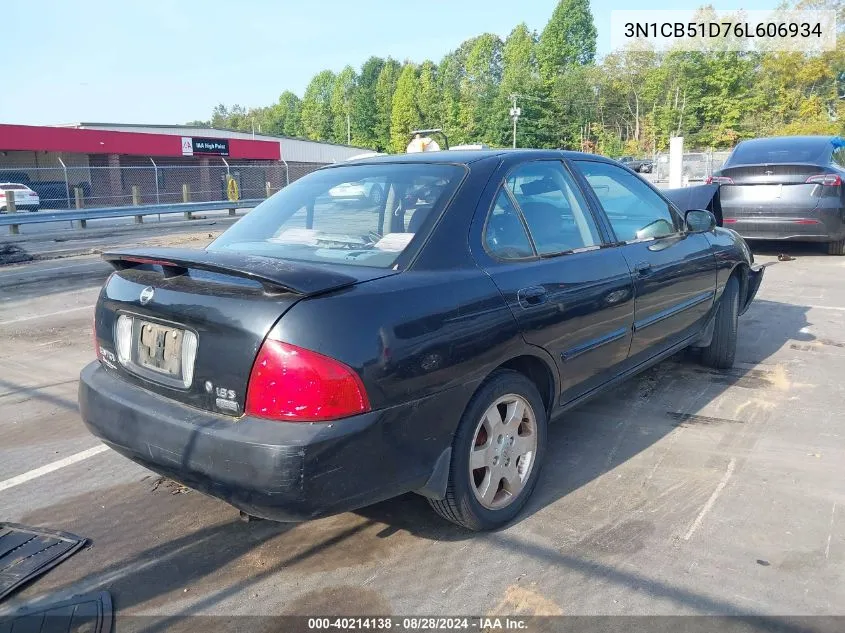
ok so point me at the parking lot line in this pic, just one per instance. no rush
(722, 483)
(839, 308)
(46, 314)
(51, 467)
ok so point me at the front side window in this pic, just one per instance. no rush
(554, 209)
(363, 215)
(635, 211)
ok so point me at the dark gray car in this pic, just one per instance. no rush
(786, 188)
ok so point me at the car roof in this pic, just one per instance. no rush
(467, 157)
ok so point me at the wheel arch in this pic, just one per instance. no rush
(540, 370)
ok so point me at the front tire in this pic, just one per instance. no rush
(722, 349)
(496, 454)
(836, 248)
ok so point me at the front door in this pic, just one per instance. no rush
(569, 296)
(674, 271)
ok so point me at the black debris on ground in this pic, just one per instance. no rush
(26, 553)
(11, 254)
(91, 613)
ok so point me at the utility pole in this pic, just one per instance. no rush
(348, 129)
(515, 114)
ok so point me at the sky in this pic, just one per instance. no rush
(166, 62)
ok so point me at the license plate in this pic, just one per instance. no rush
(160, 348)
(762, 193)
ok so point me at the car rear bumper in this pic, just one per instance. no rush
(812, 225)
(276, 470)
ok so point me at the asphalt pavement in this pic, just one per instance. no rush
(682, 491)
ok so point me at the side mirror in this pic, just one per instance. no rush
(699, 221)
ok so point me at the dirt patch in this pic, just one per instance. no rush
(342, 600)
(522, 601)
(623, 538)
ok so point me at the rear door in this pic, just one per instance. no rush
(674, 272)
(542, 248)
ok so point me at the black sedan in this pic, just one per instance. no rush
(318, 357)
(786, 188)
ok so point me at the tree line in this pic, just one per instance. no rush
(631, 101)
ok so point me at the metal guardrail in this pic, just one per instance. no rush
(14, 220)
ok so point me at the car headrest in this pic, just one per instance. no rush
(419, 216)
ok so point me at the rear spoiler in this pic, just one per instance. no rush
(275, 275)
(697, 197)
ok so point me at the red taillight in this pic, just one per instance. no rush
(718, 180)
(729, 221)
(828, 180)
(806, 221)
(289, 383)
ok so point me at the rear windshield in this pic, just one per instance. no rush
(786, 150)
(12, 187)
(364, 215)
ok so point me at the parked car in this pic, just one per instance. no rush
(644, 165)
(786, 188)
(318, 358)
(52, 193)
(25, 198)
(369, 191)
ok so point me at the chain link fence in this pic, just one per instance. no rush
(697, 166)
(136, 184)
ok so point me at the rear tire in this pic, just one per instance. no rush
(722, 349)
(836, 248)
(463, 504)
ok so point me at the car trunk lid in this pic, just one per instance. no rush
(193, 320)
(770, 190)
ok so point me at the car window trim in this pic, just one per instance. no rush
(489, 213)
(609, 238)
(680, 231)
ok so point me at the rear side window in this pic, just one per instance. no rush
(13, 187)
(361, 215)
(781, 150)
(554, 209)
(505, 235)
(634, 210)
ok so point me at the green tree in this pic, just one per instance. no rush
(519, 77)
(385, 87)
(364, 111)
(569, 38)
(285, 116)
(405, 114)
(428, 99)
(233, 118)
(343, 94)
(316, 107)
(479, 88)
(449, 74)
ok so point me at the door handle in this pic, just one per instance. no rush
(531, 296)
(642, 269)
